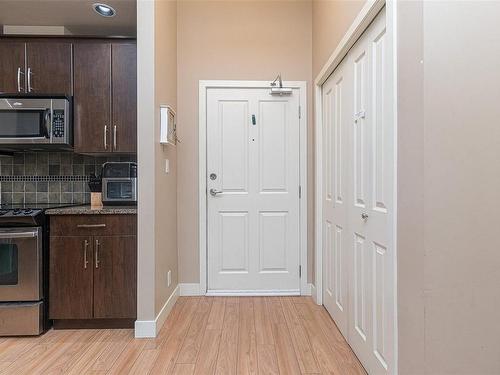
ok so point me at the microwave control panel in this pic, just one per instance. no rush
(58, 123)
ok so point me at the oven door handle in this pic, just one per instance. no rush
(18, 235)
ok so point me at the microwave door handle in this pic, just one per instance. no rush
(47, 122)
(18, 235)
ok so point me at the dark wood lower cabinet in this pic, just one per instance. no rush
(71, 281)
(115, 277)
(93, 276)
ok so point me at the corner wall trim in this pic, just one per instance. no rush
(190, 289)
(150, 328)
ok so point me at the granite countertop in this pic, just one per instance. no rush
(86, 210)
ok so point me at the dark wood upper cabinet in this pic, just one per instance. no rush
(49, 68)
(71, 281)
(115, 276)
(12, 67)
(105, 97)
(124, 93)
(92, 97)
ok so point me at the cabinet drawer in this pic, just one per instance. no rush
(92, 225)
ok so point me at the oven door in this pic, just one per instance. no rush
(20, 264)
(116, 190)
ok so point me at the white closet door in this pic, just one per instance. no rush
(253, 169)
(371, 211)
(337, 109)
(358, 201)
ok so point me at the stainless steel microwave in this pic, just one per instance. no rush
(35, 123)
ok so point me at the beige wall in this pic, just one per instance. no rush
(461, 186)
(331, 19)
(240, 40)
(165, 184)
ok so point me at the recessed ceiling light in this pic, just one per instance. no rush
(104, 10)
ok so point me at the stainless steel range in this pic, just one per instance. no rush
(23, 270)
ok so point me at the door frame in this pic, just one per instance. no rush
(362, 21)
(204, 85)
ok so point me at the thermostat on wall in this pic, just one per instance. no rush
(167, 125)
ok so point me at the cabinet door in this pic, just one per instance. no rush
(124, 88)
(92, 97)
(115, 269)
(12, 68)
(48, 68)
(71, 279)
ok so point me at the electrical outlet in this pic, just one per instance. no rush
(169, 278)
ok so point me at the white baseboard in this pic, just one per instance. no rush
(190, 289)
(314, 294)
(253, 293)
(306, 290)
(150, 328)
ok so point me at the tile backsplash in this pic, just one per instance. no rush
(49, 177)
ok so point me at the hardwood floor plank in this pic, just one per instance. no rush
(227, 358)
(127, 358)
(192, 342)
(329, 360)
(111, 350)
(169, 349)
(247, 343)
(263, 329)
(287, 361)
(301, 345)
(207, 358)
(275, 311)
(62, 359)
(216, 317)
(144, 362)
(183, 369)
(268, 362)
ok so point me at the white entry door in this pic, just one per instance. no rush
(359, 221)
(253, 175)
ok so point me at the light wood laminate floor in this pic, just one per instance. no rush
(202, 335)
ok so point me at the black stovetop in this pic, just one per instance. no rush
(26, 214)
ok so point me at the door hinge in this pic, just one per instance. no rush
(300, 191)
(300, 112)
(300, 272)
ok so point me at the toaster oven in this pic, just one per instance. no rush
(119, 183)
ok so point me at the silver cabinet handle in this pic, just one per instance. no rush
(105, 137)
(29, 80)
(19, 79)
(364, 216)
(91, 226)
(85, 247)
(97, 261)
(114, 137)
(214, 192)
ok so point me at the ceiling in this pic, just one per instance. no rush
(77, 16)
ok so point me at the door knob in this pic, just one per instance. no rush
(364, 216)
(214, 192)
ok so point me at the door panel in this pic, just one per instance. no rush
(253, 223)
(337, 108)
(92, 96)
(115, 289)
(71, 279)
(124, 86)
(50, 68)
(12, 68)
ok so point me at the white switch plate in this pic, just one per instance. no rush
(167, 166)
(169, 278)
